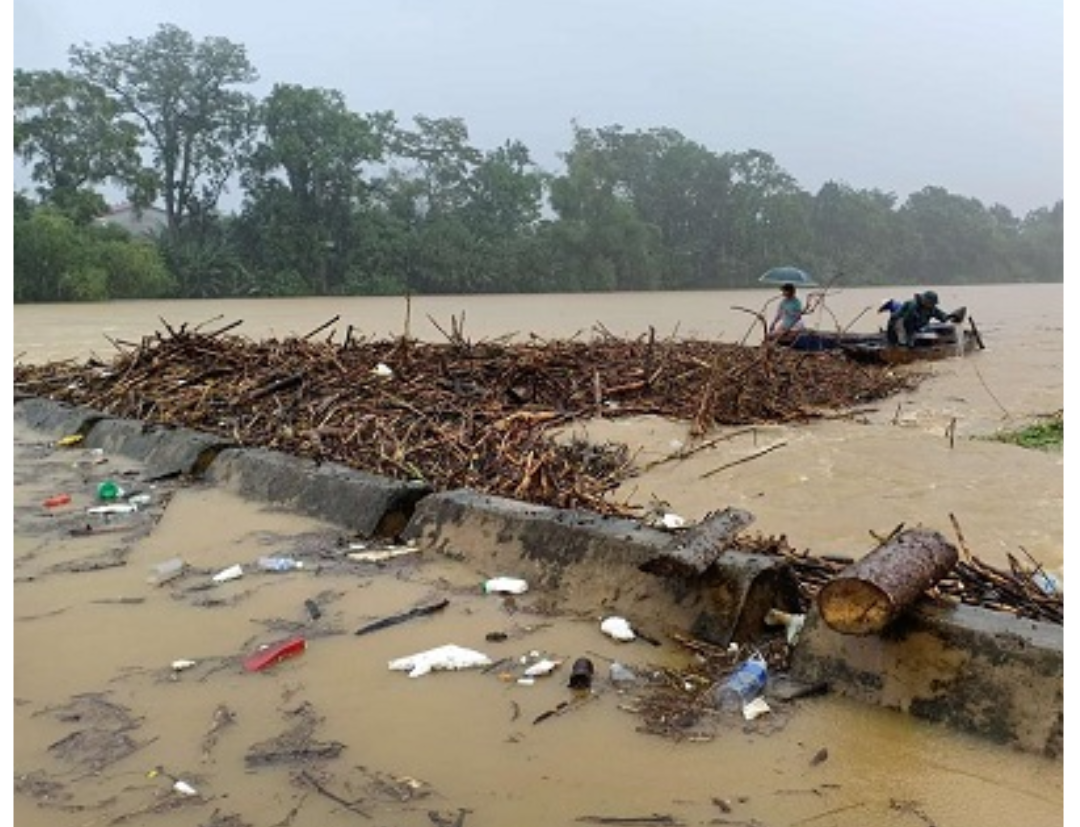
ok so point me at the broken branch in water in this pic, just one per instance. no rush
(393, 620)
(760, 453)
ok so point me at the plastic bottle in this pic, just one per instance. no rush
(280, 564)
(109, 490)
(505, 585)
(168, 570)
(231, 573)
(743, 685)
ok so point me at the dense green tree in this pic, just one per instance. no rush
(305, 180)
(55, 259)
(182, 95)
(604, 242)
(67, 130)
(854, 232)
(955, 237)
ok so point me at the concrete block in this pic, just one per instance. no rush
(365, 503)
(585, 562)
(54, 417)
(164, 451)
(983, 672)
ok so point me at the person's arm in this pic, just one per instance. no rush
(940, 314)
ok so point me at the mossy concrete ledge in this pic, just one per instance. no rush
(987, 673)
(370, 505)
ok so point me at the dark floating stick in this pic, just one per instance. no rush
(393, 620)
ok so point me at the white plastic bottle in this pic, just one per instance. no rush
(280, 564)
(505, 585)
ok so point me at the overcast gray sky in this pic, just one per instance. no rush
(887, 94)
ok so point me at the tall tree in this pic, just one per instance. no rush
(304, 181)
(67, 130)
(181, 92)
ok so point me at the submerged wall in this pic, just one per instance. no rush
(983, 672)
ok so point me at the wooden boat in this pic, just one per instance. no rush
(813, 341)
(938, 341)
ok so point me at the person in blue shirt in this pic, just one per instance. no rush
(911, 316)
(789, 313)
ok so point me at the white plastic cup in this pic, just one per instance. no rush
(231, 573)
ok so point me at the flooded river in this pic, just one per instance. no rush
(93, 645)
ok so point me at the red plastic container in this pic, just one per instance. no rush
(57, 500)
(274, 653)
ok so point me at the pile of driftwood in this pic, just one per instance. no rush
(458, 414)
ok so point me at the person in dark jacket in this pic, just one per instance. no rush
(912, 316)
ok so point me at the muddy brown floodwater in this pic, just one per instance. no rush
(97, 705)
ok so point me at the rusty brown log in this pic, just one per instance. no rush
(701, 545)
(867, 596)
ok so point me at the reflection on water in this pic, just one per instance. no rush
(468, 737)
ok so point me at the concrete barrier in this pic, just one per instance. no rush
(982, 672)
(576, 557)
(370, 505)
(53, 417)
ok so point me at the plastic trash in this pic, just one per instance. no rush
(383, 371)
(140, 499)
(183, 787)
(380, 555)
(231, 573)
(743, 685)
(1046, 582)
(505, 585)
(181, 665)
(449, 657)
(792, 623)
(274, 653)
(617, 628)
(618, 673)
(280, 564)
(57, 500)
(109, 490)
(165, 571)
(755, 709)
(69, 440)
(671, 521)
(581, 674)
(542, 667)
(115, 508)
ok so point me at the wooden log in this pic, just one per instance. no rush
(867, 596)
(699, 547)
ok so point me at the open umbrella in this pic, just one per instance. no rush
(788, 275)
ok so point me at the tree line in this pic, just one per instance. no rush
(335, 202)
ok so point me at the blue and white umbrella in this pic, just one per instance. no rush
(788, 275)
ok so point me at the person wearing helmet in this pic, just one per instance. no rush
(912, 316)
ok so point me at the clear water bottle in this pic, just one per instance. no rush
(279, 564)
(743, 685)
